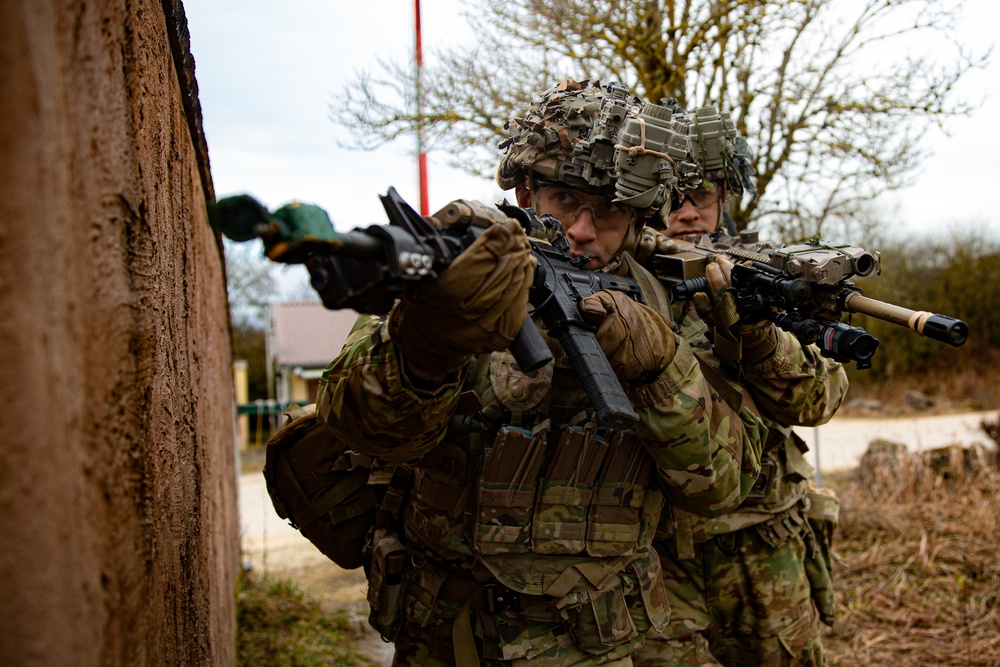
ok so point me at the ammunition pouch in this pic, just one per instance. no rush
(599, 620)
(555, 505)
(506, 492)
(783, 526)
(387, 577)
(823, 514)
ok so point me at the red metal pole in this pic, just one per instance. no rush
(421, 156)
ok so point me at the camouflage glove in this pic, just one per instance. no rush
(734, 343)
(477, 305)
(636, 339)
(652, 242)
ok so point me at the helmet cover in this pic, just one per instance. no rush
(601, 140)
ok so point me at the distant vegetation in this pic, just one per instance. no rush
(959, 276)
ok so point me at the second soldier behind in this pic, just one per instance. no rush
(751, 587)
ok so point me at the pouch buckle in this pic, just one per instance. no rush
(498, 597)
(765, 481)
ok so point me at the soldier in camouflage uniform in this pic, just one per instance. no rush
(749, 587)
(525, 533)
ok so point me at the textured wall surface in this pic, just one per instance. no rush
(118, 517)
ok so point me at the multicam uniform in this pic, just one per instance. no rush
(532, 532)
(751, 587)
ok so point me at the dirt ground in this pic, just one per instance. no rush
(270, 546)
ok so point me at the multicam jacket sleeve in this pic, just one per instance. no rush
(706, 445)
(367, 400)
(707, 450)
(795, 386)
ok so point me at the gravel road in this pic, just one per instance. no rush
(840, 443)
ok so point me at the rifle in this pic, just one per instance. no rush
(368, 269)
(804, 289)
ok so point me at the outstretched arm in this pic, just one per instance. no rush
(370, 402)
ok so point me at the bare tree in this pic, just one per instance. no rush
(251, 287)
(249, 283)
(834, 102)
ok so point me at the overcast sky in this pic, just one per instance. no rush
(267, 72)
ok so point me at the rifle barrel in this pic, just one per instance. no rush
(937, 327)
(356, 244)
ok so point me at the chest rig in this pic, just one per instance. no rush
(548, 502)
(545, 499)
(559, 503)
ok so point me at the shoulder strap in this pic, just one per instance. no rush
(651, 288)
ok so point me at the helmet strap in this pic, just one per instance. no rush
(529, 186)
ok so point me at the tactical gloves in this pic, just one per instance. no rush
(734, 343)
(653, 242)
(477, 305)
(638, 342)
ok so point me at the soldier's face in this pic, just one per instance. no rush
(594, 224)
(700, 212)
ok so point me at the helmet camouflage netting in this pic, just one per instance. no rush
(602, 140)
(717, 152)
(542, 140)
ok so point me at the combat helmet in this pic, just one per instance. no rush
(599, 139)
(718, 154)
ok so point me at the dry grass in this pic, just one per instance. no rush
(917, 566)
(278, 624)
(969, 381)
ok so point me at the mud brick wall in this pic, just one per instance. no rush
(118, 517)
